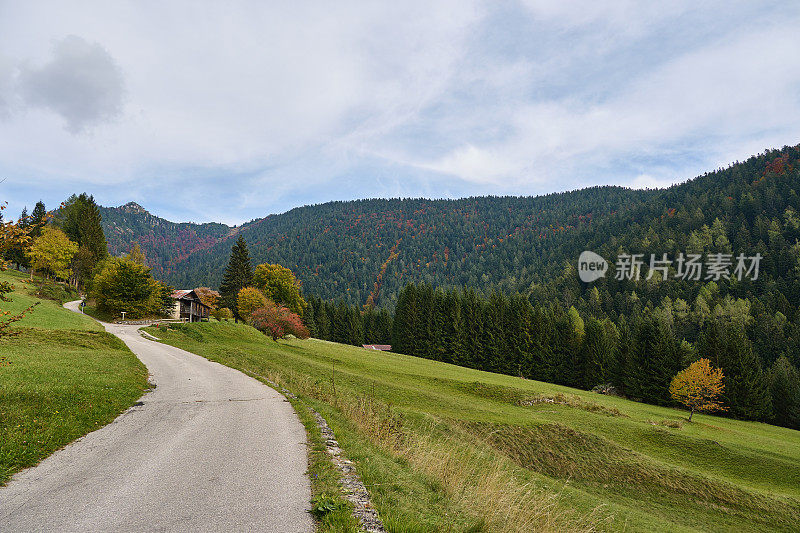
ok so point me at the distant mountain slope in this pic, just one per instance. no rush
(366, 250)
(164, 243)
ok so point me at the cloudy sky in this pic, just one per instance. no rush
(229, 111)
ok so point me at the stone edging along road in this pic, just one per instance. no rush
(209, 449)
(352, 487)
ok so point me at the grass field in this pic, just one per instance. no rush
(444, 448)
(67, 377)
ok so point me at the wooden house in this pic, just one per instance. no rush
(189, 307)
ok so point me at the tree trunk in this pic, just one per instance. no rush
(691, 412)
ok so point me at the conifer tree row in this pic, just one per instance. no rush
(636, 355)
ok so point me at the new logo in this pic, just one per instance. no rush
(591, 266)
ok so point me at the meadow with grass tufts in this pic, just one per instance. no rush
(66, 377)
(445, 448)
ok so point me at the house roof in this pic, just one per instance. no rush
(188, 294)
(180, 293)
(381, 347)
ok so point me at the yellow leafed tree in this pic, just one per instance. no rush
(249, 299)
(279, 284)
(52, 252)
(698, 387)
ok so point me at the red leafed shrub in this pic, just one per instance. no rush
(278, 322)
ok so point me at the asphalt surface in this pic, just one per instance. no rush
(209, 449)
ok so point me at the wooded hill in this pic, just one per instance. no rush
(365, 251)
(371, 248)
(531, 314)
(164, 243)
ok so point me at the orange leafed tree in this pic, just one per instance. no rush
(278, 322)
(698, 387)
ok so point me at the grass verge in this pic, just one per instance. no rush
(67, 377)
(444, 448)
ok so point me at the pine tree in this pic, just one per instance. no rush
(746, 395)
(626, 373)
(784, 384)
(309, 319)
(657, 357)
(423, 325)
(80, 219)
(539, 361)
(470, 352)
(598, 350)
(406, 316)
(238, 275)
(322, 317)
(37, 219)
(571, 359)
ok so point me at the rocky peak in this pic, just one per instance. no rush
(133, 207)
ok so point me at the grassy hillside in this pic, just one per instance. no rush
(67, 377)
(445, 448)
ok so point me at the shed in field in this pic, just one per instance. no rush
(381, 347)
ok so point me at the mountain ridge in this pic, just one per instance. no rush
(364, 251)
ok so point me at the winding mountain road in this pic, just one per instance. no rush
(209, 449)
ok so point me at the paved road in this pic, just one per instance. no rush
(210, 449)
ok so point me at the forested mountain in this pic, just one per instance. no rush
(164, 243)
(365, 251)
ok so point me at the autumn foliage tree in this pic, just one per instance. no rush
(17, 235)
(208, 296)
(11, 235)
(279, 284)
(248, 300)
(698, 387)
(52, 253)
(278, 322)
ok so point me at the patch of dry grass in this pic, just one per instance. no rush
(474, 477)
(674, 424)
(571, 401)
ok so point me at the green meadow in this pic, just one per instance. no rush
(66, 377)
(445, 448)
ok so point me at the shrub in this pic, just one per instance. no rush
(222, 314)
(278, 322)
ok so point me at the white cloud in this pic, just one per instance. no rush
(81, 83)
(253, 107)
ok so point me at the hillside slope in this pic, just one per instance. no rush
(164, 243)
(437, 444)
(66, 377)
(366, 250)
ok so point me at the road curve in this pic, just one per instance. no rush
(210, 449)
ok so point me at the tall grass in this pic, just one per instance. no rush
(444, 448)
(472, 476)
